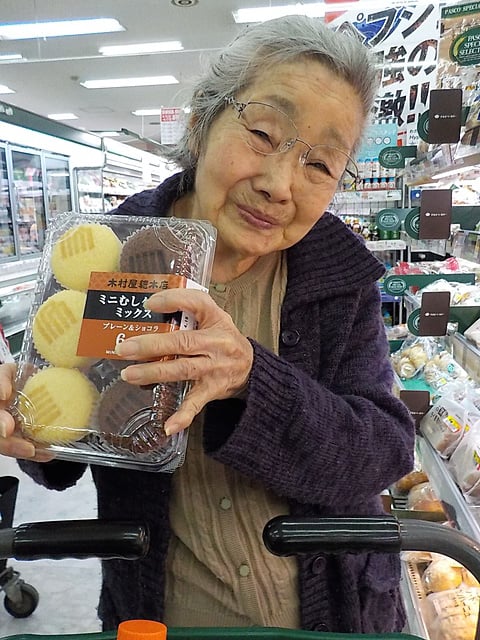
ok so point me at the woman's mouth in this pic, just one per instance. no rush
(255, 218)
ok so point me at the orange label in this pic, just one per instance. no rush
(114, 310)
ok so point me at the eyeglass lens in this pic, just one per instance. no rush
(270, 131)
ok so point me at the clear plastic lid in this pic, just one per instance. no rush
(95, 275)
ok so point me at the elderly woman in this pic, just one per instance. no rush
(291, 409)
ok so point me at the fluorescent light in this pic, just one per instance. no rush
(62, 116)
(260, 14)
(129, 82)
(107, 134)
(27, 30)
(10, 56)
(146, 47)
(314, 10)
(147, 112)
(5, 89)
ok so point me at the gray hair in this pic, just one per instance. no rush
(266, 44)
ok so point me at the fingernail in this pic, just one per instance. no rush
(130, 374)
(3, 430)
(23, 450)
(156, 298)
(126, 349)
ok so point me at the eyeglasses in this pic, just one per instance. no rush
(270, 131)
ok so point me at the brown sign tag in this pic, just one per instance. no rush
(114, 310)
(417, 402)
(435, 214)
(444, 115)
(434, 313)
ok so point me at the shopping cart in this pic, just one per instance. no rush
(21, 598)
(282, 536)
(65, 539)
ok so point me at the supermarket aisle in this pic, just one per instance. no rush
(68, 588)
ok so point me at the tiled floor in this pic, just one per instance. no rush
(68, 588)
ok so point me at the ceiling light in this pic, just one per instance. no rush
(147, 112)
(260, 14)
(27, 30)
(5, 89)
(10, 56)
(62, 116)
(146, 47)
(129, 82)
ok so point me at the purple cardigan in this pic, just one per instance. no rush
(319, 427)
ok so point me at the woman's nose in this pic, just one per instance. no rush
(279, 175)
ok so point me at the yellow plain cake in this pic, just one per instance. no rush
(56, 328)
(81, 250)
(56, 405)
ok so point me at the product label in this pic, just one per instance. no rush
(114, 310)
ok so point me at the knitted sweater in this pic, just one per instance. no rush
(319, 427)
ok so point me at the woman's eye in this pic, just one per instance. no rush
(321, 167)
(262, 137)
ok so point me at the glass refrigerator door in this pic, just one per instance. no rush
(59, 196)
(30, 204)
(7, 242)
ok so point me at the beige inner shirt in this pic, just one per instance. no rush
(218, 570)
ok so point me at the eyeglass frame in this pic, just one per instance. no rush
(289, 144)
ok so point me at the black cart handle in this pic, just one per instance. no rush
(75, 539)
(288, 535)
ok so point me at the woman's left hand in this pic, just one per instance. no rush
(215, 357)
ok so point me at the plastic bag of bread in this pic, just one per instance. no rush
(412, 356)
(444, 424)
(422, 497)
(455, 614)
(409, 481)
(464, 464)
(442, 575)
(473, 333)
(442, 369)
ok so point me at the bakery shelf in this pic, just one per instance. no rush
(465, 517)
(413, 597)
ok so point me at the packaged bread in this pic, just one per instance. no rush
(464, 464)
(444, 424)
(441, 575)
(454, 614)
(96, 273)
(422, 497)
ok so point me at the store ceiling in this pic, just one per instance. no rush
(48, 78)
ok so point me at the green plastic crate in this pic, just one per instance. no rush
(225, 633)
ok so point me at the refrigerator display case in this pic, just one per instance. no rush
(7, 239)
(28, 201)
(59, 192)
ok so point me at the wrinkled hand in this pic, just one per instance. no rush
(11, 442)
(215, 357)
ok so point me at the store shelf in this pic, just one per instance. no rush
(374, 195)
(413, 598)
(386, 245)
(465, 517)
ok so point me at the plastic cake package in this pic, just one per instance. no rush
(95, 275)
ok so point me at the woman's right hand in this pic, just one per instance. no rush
(11, 442)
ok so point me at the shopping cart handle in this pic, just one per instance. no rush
(288, 535)
(75, 539)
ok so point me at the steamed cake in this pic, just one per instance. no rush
(56, 404)
(154, 250)
(124, 418)
(56, 328)
(118, 403)
(81, 250)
